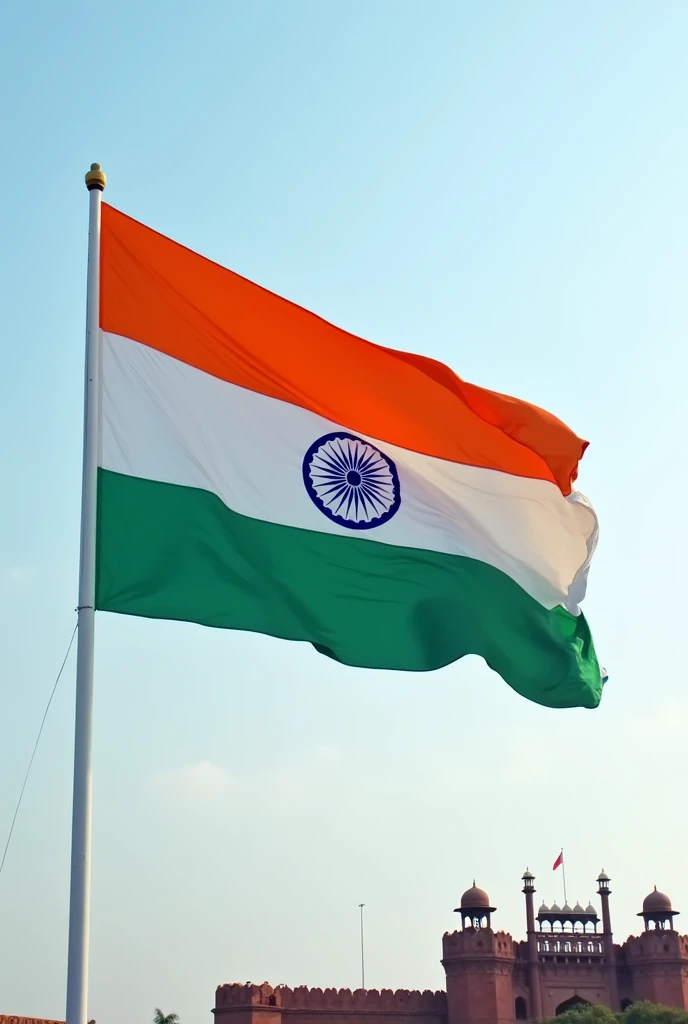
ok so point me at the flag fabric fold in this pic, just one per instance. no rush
(261, 469)
(559, 861)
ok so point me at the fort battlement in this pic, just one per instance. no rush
(236, 996)
(477, 942)
(4, 1019)
(567, 960)
(658, 944)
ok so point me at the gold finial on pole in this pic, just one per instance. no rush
(95, 178)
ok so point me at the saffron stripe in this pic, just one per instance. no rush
(171, 299)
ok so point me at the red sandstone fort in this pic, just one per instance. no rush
(568, 959)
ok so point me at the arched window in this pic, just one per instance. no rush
(520, 1008)
(574, 1003)
(625, 1003)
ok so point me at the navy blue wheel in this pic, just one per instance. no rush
(351, 481)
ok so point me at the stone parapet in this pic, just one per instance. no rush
(656, 946)
(6, 1019)
(317, 1000)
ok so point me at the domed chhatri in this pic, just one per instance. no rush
(475, 908)
(657, 911)
(474, 898)
(656, 901)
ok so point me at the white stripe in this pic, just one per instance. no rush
(169, 422)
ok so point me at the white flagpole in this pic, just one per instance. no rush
(80, 879)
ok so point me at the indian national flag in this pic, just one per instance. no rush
(263, 470)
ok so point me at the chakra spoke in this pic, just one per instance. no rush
(348, 454)
(379, 491)
(328, 460)
(365, 461)
(364, 502)
(334, 489)
(331, 473)
(375, 501)
(345, 494)
(335, 456)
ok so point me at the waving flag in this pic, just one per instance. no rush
(261, 469)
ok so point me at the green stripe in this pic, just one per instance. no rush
(172, 552)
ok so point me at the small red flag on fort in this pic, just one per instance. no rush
(559, 861)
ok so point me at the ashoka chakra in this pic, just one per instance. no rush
(351, 481)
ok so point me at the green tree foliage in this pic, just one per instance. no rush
(598, 1014)
(653, 1013)
(173, 1018)
(637, 1013)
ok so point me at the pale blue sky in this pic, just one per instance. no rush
(501, 185)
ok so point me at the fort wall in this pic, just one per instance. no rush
(249, 1004)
